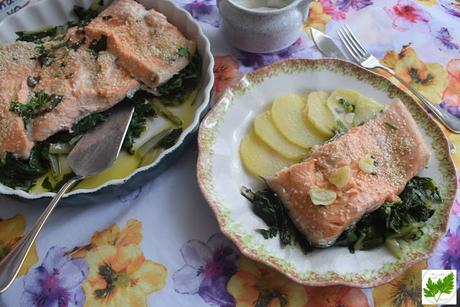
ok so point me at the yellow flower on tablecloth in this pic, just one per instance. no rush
(404, 291)
(112, 235)
(334, 296)
(428, 2)
(11, 231)
(257, 285)
(121, 276)
(430, 79)
(317, 18)
(451, 96)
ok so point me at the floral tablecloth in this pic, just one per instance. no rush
(160, 244)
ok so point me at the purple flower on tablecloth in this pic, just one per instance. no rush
(407, 15)
(256, 60)
(208, 267)
(446, 39)
(203, 10)
(331, 9)
(344, 5)
(451, 6)
(131, 196)
(447, 254)
(56, 282)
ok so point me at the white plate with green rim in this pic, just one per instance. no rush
(221, 174)
(55, 12)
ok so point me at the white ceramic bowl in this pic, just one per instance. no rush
(57, 12)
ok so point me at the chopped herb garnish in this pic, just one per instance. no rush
(349, 107)
(38, 105)
(340, 128)
(183, 52)
(32, 81)
(99, 45)
(391, 125)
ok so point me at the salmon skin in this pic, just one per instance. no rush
(144, 42)
(394, 141)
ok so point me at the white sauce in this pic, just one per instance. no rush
(263, 5)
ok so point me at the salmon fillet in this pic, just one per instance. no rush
(144, 42)
(88, 81)
(16, 64)
(395, 142)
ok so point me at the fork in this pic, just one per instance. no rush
(367, 60)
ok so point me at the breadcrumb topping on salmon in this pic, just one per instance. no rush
(145, 43)
(16, 64)
(135, 45)
(399, 150)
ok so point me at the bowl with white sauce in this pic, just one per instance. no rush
(262, 26)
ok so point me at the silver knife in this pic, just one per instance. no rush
(326, 45)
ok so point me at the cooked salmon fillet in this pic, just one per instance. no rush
(395, 142)
(88, 81)
(16, 64)
(144, 42)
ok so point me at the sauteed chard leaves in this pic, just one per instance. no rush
(393, 221)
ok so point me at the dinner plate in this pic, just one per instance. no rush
(221, 174)
(56, 12)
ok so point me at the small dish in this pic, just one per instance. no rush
(221, 174)
(262, 31)
(55, 12)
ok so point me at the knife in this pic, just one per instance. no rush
(326, 45)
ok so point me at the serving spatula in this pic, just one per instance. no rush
(96, 151)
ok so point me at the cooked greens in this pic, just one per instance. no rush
(393, 221)
(39, 104)
(267, 206)
(181, 84)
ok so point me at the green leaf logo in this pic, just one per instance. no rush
(441, 286)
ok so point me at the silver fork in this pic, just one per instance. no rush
(367, 60)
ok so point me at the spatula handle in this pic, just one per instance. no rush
(12, 263)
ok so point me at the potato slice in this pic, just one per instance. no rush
(342, 103)
(270, 135)
(288, 117)
(366, 109)
(259, 159)
(319, 114)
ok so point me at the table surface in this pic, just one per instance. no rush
(160, 245)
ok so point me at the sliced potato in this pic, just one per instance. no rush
(270, 135)
(367, 108)
(259, 159)
(342, 103)
(319, 114)
(288, 117)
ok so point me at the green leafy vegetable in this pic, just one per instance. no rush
(170, 139)
(39, 104)
(391, 125)
(388, 224)
(182, 83)
(441, 286)
(86, 15)
(47, 185)
(267, 206)
(163, 111)
(138, 124)
(398, 220)
(22, 174)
